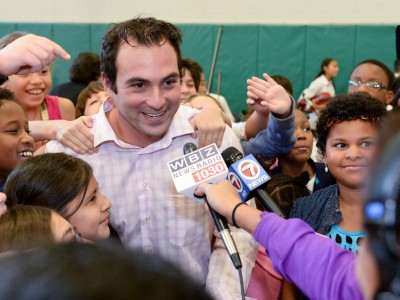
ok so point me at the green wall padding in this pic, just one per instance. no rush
(245, 50)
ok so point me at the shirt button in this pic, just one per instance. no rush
(145, 185)
(147, 219)
(150, 251)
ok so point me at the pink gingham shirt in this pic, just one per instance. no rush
(148, 213)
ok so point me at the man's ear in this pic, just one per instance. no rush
(107, 85)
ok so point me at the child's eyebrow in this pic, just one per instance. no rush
(16, 122)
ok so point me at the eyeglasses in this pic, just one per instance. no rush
(369, 84)
(350, 118)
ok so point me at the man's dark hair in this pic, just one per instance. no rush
(143, 31)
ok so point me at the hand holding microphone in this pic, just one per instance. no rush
(195, 167)
(249, 178)
(221, 196)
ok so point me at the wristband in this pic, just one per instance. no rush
(3, 79)
(233, 213)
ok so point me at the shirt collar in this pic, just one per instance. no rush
(179, 126)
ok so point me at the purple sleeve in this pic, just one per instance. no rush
(320, 268)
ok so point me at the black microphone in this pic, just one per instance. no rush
(220, 222)
(246, 175)
(398, 42)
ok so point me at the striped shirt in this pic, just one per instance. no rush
(148, 213)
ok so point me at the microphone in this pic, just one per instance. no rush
(248, 177)
(398, 42)
(206, 161)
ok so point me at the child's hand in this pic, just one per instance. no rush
(210, 123)
(266, 95)
(28, 54)
(76, 135)
(221, 196)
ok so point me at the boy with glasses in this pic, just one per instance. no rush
(374, 78)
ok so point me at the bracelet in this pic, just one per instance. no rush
(233, 213)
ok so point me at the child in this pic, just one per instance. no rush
(321, 89)
(298, 159)
(65, 184)
(31, 92)
(90, 99)
(16, 144)
(372, 77)
(347, 133)
(27, 227)
(190, 80)
(316, 264)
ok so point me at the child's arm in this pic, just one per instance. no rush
(223, 197)
(73, 134)
(265, 96)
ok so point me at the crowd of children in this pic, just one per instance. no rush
(132, 124)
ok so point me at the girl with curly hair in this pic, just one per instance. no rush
(347, 132)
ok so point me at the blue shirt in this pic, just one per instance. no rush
(320, 210)
(277, 138)
(348, 240)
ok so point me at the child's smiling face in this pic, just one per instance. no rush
(15, 142)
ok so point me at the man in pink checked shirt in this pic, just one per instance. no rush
(136, 137)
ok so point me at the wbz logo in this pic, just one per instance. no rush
(193, 158)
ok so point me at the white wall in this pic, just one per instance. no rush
(205, 11)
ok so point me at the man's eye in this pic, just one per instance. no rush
(170, 82)
(138, 85)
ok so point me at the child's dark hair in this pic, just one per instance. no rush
(324, 63)
(385, 68)
(345, 108)
(63, 270)
(25, 227)
(285, 82)
(284, 189)
(85, 68)
(195, 70)
(93, 88)
(52, 180)
(5, 96)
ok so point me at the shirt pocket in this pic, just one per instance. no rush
(188, 222)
